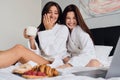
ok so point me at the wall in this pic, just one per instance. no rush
(15, 15)
(102, 21)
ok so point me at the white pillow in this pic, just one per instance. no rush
(102, 53)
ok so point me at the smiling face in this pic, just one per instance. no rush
(53, 13)
(71, 20)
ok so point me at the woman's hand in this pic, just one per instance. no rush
(64, 66)
(31, 39)
(66, 59)
(48, 23)
(27, 36)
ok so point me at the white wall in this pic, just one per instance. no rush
(15, 15)
(104, 21)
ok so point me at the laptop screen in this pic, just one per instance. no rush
(113, 71)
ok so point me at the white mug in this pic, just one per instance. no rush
(31, 31)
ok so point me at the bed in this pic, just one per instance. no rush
(107, 36)
(105, 40)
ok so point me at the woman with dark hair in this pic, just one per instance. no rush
(51, 37)
(80, 43)
(41, 27)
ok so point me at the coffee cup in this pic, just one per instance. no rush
(31, 31)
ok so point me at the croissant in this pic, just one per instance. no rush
(40, 71)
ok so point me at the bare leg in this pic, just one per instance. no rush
(19, 53)
(93, 63)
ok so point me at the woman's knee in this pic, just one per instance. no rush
(19, 46)
(20, 50)
(93, 63)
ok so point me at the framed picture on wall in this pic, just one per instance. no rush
(97, 8)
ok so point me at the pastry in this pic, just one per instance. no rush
(42, 68)
(55, 72)
(38, 71)
(22, 68)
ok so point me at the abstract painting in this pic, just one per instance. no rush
(96, 8)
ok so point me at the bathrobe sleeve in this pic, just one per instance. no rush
(37, 50)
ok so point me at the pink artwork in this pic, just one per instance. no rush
(96, 8)
(104, 6)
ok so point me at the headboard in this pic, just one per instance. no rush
(106, 36)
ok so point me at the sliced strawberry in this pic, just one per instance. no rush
(30, 72)
(41, 74)
(34, 73)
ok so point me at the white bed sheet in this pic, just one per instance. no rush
(6, 74)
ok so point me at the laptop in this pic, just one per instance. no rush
(113, 70)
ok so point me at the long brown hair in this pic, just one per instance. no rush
(79, 18)
(45, 10)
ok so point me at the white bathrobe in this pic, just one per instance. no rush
(81, 47)
(53, 43)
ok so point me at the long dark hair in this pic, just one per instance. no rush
(79, 18)
(45, 10)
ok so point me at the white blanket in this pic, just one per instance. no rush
(5, 74)
(65, 74)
